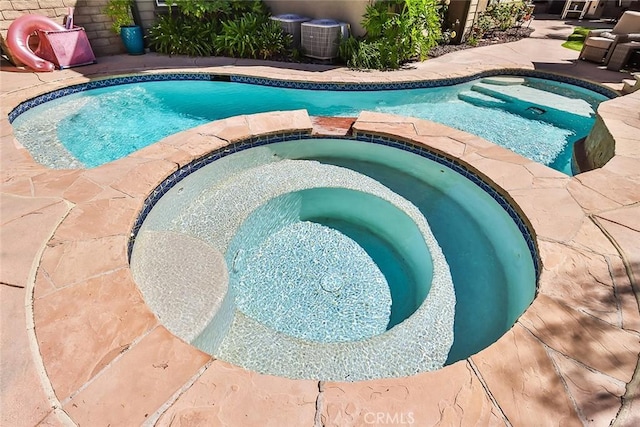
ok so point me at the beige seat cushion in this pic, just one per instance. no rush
(599, 42)
(629, 23)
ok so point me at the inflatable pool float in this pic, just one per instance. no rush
(58, 46)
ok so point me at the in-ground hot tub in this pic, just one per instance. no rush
(334, 259)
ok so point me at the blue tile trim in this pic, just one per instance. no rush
(421, 84)
(420, 150)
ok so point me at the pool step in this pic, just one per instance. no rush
(535, 99)
(480, 100)
(503, 81)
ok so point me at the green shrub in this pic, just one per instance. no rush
(182, 35)
(367, 56)
(499, 16)
(219, 9)
(237, 38)
(396, 31)
(252, 36)
(238, 28)
(273, 42)
(426, 25)
(120, 13)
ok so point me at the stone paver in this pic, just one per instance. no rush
(451, 396)
(588, 340)
(89, 323)
(596, 395)
(24, 401)
(227, 395)
(569, 360)
(26, 224)
(530, 389)
(135, 385)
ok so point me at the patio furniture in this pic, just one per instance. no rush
(600, 44)
(575, 7)
(621, 55)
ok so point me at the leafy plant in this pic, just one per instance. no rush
(367, 56)
(238, 37)
(400, 30)
(219, 9)
(347, 48)
(206, 27)
(483, 24)
(120, 13)
(182, 35)
(377, 16)
(272, 40)
(501, 16)
(252, 36)
(425, 18)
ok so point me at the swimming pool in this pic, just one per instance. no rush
(89, 128)
(492, 264)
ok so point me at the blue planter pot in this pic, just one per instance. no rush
(132, 38)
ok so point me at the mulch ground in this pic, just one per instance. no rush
(495, 37)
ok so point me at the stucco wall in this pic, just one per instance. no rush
(146, 13)
(87, 14)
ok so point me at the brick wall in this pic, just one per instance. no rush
(87, 14)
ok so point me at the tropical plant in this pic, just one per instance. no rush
(273, 41)
(377, 16)
(219, 9)
(368, 56)
(347, 48)
(396, 32)
(237, 37)
(426, 24)
(252, 36)
(483, 24)
(120, 13)
(206, 27)
(182, 35)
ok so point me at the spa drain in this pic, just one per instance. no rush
(332, 282)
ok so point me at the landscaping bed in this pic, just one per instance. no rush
(495, 37)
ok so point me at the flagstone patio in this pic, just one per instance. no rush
(80, 346)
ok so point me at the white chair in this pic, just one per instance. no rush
(600, 44)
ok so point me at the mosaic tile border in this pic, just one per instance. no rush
(423, 84)
(262, 81)
(449, 162)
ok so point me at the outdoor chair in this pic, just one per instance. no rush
(600, 44)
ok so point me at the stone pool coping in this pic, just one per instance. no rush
(567, 360)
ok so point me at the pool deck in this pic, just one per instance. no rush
(80, 347)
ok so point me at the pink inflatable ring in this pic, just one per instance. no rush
(18, 40)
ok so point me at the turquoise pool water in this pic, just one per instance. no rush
(100, 125)
(282, 297)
